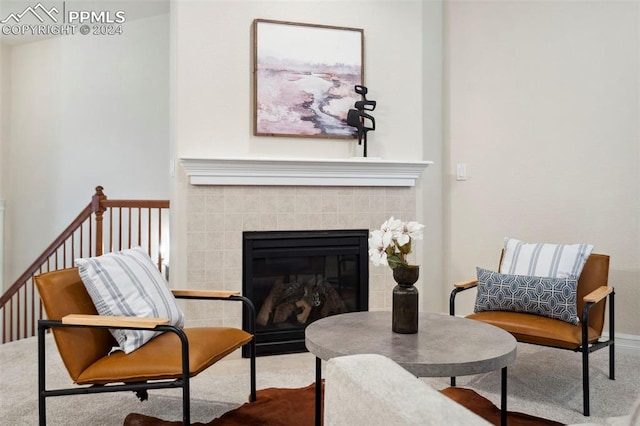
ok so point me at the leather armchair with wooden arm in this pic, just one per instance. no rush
(166, 361)
(592, 293)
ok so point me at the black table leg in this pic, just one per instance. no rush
(503, 398)
(318, 420)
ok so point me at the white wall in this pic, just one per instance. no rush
(214, 78)
(5, 71)
(432, 189)
(543, 105)
(85, 111)
(213, 81)
(5, 64)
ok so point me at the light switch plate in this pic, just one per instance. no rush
(461, 171)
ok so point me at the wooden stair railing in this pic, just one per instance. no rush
(128, 223)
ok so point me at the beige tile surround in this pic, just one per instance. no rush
(217, 216)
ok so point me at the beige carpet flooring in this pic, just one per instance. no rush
(544, 382)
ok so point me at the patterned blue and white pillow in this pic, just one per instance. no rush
(128, 283)
(543, 259)
(549, 297)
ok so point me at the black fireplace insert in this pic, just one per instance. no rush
(296, 277)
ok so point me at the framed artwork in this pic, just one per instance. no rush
(304, 78)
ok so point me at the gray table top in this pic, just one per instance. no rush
(444, 346)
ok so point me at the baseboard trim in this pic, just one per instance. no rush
(626, 342)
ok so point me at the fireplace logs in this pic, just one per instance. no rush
(300, 302)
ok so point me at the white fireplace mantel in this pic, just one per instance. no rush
(302, 172)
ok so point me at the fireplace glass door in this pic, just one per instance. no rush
(297, 277)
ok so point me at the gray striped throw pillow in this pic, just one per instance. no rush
(543, 259)
(128, 283)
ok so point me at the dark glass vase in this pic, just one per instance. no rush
(405, 300)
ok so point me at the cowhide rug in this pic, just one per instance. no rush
(295, 407)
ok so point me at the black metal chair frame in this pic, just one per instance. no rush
(585, 348)
(140, 388)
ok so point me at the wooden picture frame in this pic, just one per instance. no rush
(304, 77)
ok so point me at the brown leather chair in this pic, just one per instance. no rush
(167, 361)
(592, 292)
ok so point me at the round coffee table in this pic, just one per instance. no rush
(445, 346)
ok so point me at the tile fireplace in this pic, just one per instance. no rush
(226, 198)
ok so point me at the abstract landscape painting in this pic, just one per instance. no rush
(304, 79)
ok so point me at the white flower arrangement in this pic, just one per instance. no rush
(391, 244)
